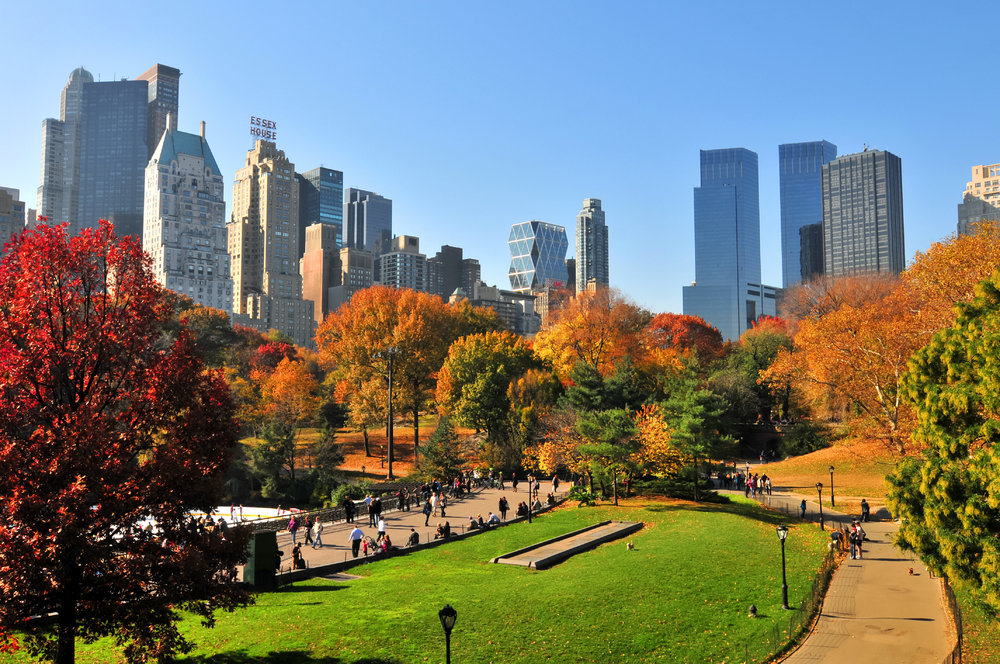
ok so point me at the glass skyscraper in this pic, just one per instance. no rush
(321, 201)
(368, 220)
(727, 292)
(591, 245)
(863, 214)
(800, 168)
(537, 256)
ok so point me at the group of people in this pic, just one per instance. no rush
(313, 530)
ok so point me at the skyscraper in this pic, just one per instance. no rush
(727, 291)
(591, 245)
(94, 156)
(184, 219)
(863, 214)
(321, 201)
(263, 235)
(163, 87)
(368, 220)
(537, 256)
(12, 219)
(403, 266)
(800, 168)
(981, 200)
(320, 266)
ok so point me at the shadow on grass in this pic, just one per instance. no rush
(290, 657)
(308, 588)
(749, 511)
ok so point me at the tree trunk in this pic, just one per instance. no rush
(614, 484)
(590, 479)
(696, 478)
(416, 437)
(66, 649)
(368, 449)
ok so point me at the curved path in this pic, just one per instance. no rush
(875, 610)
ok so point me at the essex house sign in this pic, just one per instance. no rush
(265, 129)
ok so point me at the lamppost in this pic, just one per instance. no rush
(782, 534)
(833, 503)
(389, 354)
(531, 485)
(819, 492)
(448, 616)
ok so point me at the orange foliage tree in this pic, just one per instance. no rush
(658, 454)
(598, 328)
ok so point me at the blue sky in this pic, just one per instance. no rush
(472, 116)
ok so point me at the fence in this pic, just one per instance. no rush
(955, 656)
(784, 633)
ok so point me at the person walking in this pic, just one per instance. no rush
(513, 482)
(865, 510)
(428, 510)
(503, 506)
(860, 535)
(309, 528)
(355, 539)
(318, 533)
(802, 508)
(435, 501)
(555, 484)
(377, 508)
(348, 509)
(293, 528)
(381, 529)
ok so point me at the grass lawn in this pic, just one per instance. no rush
(981, 632)
(681, 596)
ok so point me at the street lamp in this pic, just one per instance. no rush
(819, 491)
(833, 503)
(782, 534)
(531, 484)
(389, 354)
(448, 616)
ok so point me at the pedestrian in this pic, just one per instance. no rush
(377, 506)
(513, 483)
(428, 510)
(309, 528)
(317, 533)
(503, 506)
(443, 504)
(864, 510)
(355, 539)
(555, 483)
(802, 508)
(860, 535)
(381, 529)
(370, 507)
(241, 513)
(501, 480)
(348, 509)
(435, 501)
(293, 528)
(232, 512)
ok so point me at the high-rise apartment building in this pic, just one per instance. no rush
(163, 88)
(184, 219)
(800, 170)
(321, 201)
(367, 220)
(12, 214)
(591, 245)
(94, 156)
(981, 200)
(357, 272)
(448, 271)
(727, 291)
(263, 235)
(320, 266)
(863, 214)
(403, 266)
(537, 256)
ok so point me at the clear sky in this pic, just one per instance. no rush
(472, 116)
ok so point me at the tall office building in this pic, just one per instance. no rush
(537, 256)
(727, 291)
(357, 272)
(981, 200)
(321, 201)
(320, 266)
(58, 193)
(367, 220)
(448, 270)
(403, 266)
(811, 251)
(863, 214)
(591, 245)
(184, 219)
(94, 156)
(163, 88)
(263, 235)
(12, 214)
(800, 170)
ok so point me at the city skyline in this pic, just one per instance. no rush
(477, 128)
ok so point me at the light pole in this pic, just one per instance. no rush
(531, 484)
(819, 492)
(782, 534)
(833, 502)
(448, 616)
(389, 354)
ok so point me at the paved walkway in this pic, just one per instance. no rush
(875, 611)
(336, 547)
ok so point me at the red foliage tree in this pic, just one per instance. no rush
(104, 422)
(685, 333)
(270, 354)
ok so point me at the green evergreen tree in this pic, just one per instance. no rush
(442, 456)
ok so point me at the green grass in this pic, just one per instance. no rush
(681, 596)
(980, 630)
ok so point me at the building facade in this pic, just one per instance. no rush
(184, 219)
(58, 193)
(263, 238)
(367, 220)
(863, 214)
(12, 214)
(357, 272)
(727, 291)
(321, 201)
(981, 200)
(320, 267)
(403, 266)
(800, 171)
(537, 256)
(591, 246)
(811, 251)
(162, 90)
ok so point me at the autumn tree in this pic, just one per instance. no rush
(657, 454)
(598, 328)
(103, 424)
(948, 499)
(688, 334)
(750, 396)
(474, 385)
